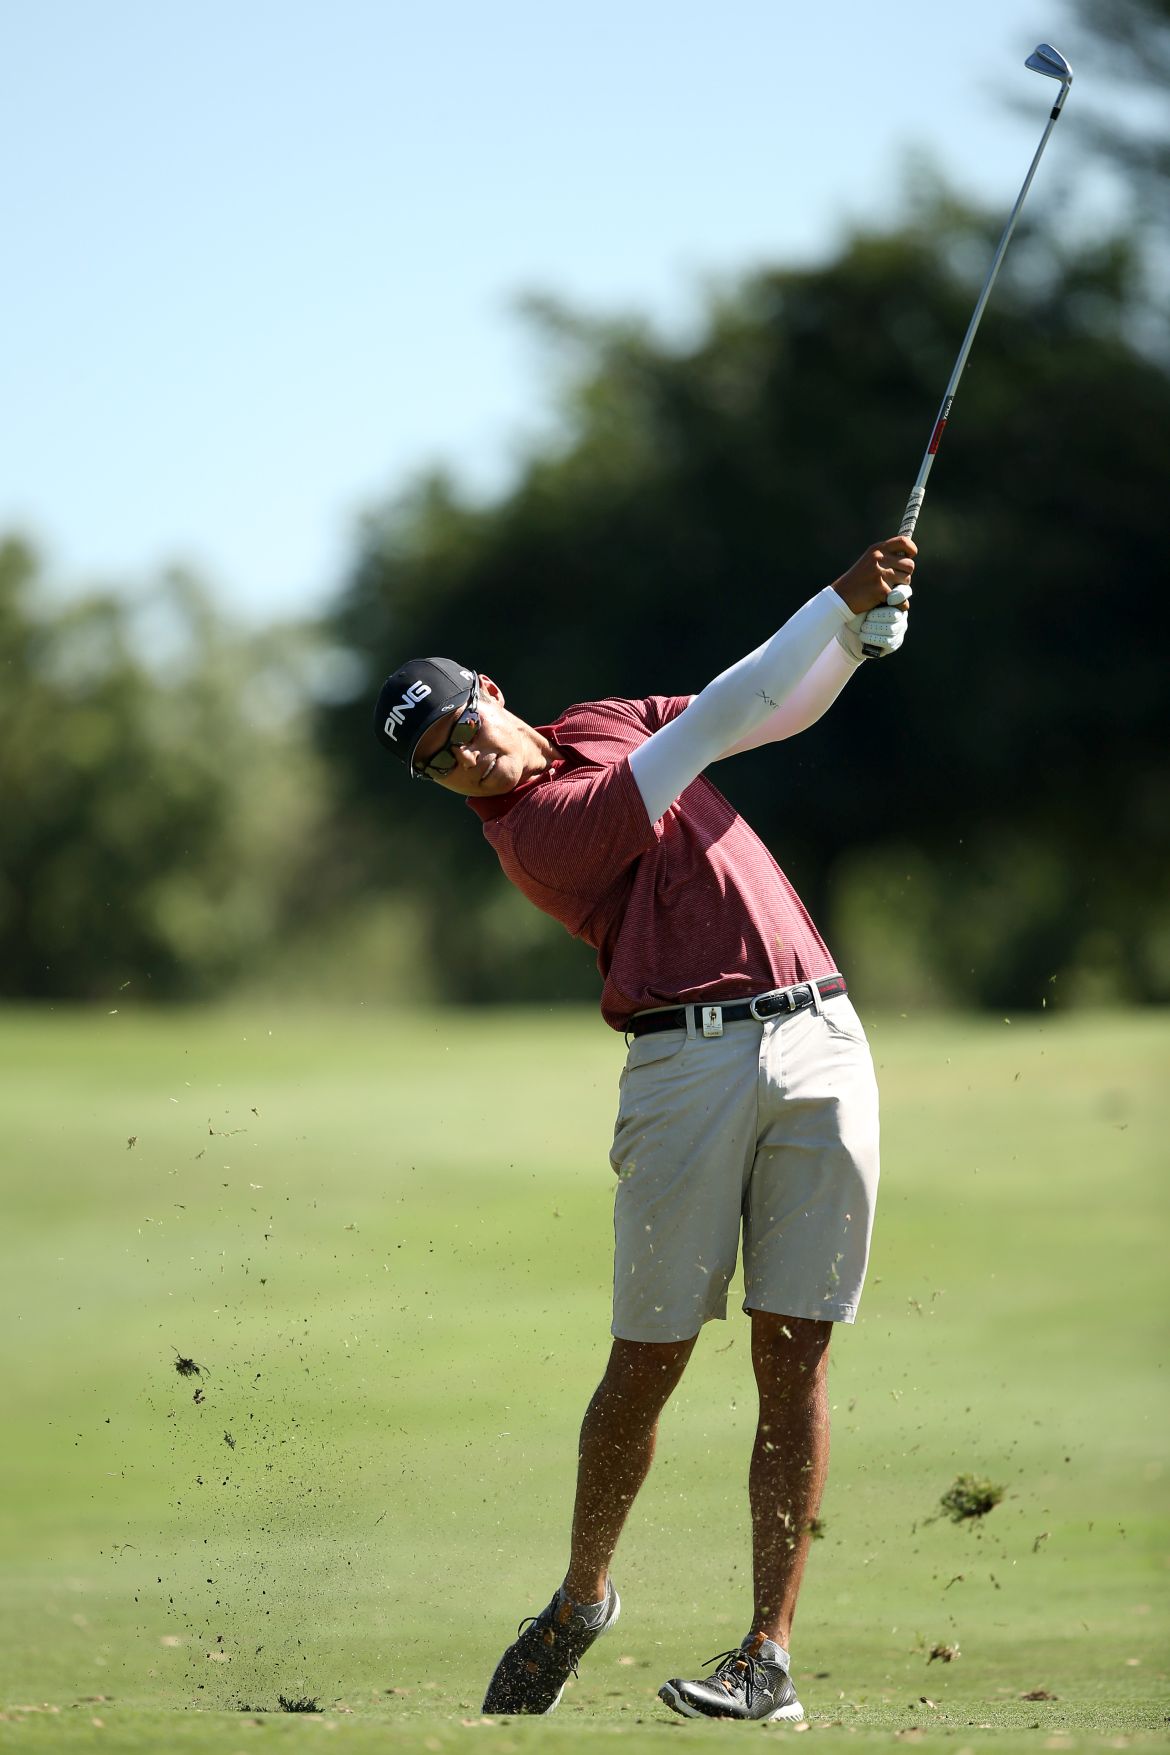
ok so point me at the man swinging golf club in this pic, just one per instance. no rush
(748, 1100)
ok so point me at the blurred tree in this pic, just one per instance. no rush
(158, 816)
(693, 496)
(1131, 39)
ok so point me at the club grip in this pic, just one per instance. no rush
(910, 515)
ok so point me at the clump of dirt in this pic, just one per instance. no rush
(188, 1367)
(298, 1703)
(969, 1497)
(946, 1654)
(1039, 1694)
(815, 1529)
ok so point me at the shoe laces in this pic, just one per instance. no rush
(549, 1630)
(740, 1667)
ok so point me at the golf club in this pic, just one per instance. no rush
(1052, 64)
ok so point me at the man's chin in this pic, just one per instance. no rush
(499, 778)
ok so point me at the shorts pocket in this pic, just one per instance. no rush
(843, 1021)
(652, 1050)
(647, 1057)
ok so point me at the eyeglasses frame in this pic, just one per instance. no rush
(468, 715)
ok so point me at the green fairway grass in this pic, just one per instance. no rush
(385, 1242)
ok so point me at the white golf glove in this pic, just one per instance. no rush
(884, 627)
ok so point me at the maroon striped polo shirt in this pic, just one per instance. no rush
(692, 907)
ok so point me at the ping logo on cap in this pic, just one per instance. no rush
(416, 696)
(418, 691)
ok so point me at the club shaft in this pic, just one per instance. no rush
(918, 493)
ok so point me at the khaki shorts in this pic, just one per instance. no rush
(773, 1125)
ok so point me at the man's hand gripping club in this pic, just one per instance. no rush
(877, 590)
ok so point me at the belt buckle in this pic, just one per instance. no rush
(781, 999)
(712, 1020)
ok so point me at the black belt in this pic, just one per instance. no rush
(777, 1004)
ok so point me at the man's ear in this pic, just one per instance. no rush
(492, 689)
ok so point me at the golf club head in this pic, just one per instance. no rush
(1050, 62)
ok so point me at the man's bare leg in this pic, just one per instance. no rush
(789, 1462)
(617, 1447)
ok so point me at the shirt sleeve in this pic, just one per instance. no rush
(578, 834)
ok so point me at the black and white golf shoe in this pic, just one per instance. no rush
(751, 1682)
(531, 1675)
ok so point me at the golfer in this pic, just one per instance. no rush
(748, 1100)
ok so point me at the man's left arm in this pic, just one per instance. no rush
(884, 627)
(741, 700)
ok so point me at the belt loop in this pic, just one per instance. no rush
(689, 1012)
(818, 998)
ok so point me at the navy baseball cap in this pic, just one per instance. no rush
(414, 697)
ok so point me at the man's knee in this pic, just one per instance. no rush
(645, 1371)
(788, 1352)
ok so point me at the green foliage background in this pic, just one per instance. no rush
(190, 806)
(1009, 766)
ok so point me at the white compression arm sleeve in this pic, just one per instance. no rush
(813, 695)
(737, 705)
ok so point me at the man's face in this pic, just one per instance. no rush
(495, 759)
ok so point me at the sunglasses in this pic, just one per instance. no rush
(466, 727)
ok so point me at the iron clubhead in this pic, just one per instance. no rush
(1050, 62)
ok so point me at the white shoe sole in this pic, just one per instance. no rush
(671, 1696)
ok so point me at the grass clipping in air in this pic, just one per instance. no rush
(968, 1497)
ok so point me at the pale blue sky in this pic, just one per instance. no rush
(262, 257)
